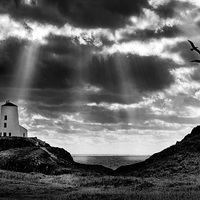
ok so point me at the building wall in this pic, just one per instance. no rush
(9, 123)
(23, 131)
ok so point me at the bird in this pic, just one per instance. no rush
(194, 48)
(197, 61)
(27, 27)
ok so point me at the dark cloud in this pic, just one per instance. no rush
(58, 66)
(88, 13)
(167, 10)
(173, 8)
(165, 32)
(41, 14)
(61, 45)
(9, 50)
(145, 73)
(56, 105)
(59, 83)
(103, 73)
(61, 63)
(35, 11)
(99, 115)
(101, 13)
(142, 74)
(196, 75)
(151, 73)
(64, 68)
(50, 73)
(17, 3)
(54, 74)
(105, 41)
(114, 97)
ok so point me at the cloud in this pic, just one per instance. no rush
(165, 32)
(100, 13)
(40, 12)
(192, 2)
(171, 8)
(9, 50)
(167, 10)
(151, 74)
(90, 14)
(108, 73)
(153, 47)
(112, 79)
(147, 73)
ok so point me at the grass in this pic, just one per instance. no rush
(135, 196)
(14, 185)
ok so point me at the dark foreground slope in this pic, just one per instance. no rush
(181, 158)
(33, 155)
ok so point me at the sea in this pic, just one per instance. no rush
(110, 161)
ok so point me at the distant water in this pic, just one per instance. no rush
(112, 162)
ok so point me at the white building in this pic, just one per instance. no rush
(9, 122)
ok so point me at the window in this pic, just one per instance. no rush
(4, 134)
(9, 134)
(0, 134)
(24, 134)
(5, 125)
(5, 117)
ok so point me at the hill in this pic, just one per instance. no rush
(33, 155)
(181, 158)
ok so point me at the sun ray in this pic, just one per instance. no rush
(25, 71)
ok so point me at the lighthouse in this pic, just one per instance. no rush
(9, 122)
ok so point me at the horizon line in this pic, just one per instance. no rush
(108, 155)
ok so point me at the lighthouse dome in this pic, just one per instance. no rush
(8, 103)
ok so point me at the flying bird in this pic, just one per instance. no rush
(197, 61)
(27, 27)
(194, 48)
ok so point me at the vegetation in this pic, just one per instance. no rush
(33, 155)
(181, 158)
(16, 185)
(173, 173)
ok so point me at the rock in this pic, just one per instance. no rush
(181, 158)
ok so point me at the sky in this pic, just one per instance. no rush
(99, 76)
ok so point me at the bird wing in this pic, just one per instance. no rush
(192, 44)
(198, 61)
(26, 26)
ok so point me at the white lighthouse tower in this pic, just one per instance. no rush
(9, 123)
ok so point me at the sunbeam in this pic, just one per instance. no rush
(25, 71)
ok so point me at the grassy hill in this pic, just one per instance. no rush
(181, 158)
(33, 155)
(171, 174)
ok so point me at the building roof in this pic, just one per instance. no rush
(8, 103)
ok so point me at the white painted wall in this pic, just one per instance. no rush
(9, 122)
(23, 131)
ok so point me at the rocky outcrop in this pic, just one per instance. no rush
(33, 155)
(181, 158)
